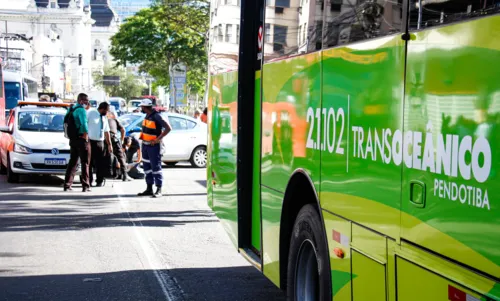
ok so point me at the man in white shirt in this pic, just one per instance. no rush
(98, 131)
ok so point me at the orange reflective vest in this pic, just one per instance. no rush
(150, 128)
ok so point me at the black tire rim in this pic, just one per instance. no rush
(306, 273)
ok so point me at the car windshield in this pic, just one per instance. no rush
(93, 103)
(115, 104)
(135, 103)
(41, 121)
(127, 120)
(12, 94)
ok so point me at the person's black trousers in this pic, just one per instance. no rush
(120, 156)
(98, 152)
(80, 149)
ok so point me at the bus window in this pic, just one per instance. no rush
(435, 13)
(32, 89)
(12, 94)
(351, 21)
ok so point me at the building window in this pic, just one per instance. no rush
(336, 5)
(304, 30)
(283, 3)
(220, 35)
(237, 34)
(280, 34)
(300, 34)
(229, 32)
(267, 37)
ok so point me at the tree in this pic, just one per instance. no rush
(165, 34)
(129, 86)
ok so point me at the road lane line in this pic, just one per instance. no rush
(167, 283)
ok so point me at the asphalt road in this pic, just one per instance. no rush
(112, 245)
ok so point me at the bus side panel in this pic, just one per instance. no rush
(451, 184)
(417, 283)
(271, 214)
(339, 238)
(223, 95)
(290, 86)
(256, 200)
(362, 109)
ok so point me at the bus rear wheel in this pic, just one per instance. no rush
(308, 276)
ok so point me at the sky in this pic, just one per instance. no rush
(127, 8)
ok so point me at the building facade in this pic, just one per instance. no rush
(59, 30)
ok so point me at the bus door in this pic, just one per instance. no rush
(451, 121)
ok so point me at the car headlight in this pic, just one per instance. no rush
(18, 148)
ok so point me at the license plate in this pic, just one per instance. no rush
(55, 161)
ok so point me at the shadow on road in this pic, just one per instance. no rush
(38, 180)
(62, 222)
(220, 284)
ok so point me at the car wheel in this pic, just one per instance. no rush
(171, 163)
(12, 177)
(199, 157)
(308, 275)
(3, 168)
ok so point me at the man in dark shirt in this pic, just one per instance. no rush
(114, 127)
(132, 146)
(79, 145)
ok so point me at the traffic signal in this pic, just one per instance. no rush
(79, 59)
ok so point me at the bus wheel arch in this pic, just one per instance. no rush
(300, 193)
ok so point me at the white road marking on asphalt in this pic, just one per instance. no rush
(151, 251)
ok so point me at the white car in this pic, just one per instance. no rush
(186, 142)
(33, 141)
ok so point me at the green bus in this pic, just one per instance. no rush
(353, 145)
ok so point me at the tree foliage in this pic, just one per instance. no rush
(130, 86)
(165, 34)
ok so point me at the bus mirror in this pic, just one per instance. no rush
(25, 91)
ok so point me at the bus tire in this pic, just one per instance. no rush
(308, 274)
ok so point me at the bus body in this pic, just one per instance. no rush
(353, 146)
(19, 87)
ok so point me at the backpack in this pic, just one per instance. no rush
(70, 129)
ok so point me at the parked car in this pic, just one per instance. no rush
(93, 103)
(133, 106)
(33, 140)
(186, 142)
(119, 103)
